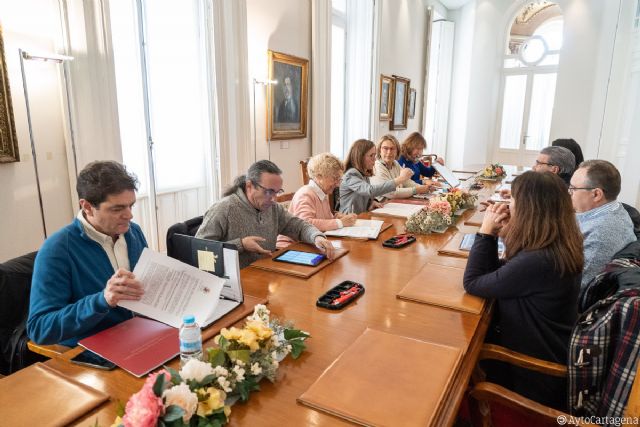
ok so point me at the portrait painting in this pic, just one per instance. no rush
(412, 103)
(385, 97)
(287, 97)
(8, 140)
(400, 103)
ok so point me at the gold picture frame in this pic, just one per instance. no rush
(8, 139)
(400, 99)
(287, 99)
(385, 106)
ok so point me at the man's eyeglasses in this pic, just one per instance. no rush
(572, 188)
(270, 192)
(538, 163)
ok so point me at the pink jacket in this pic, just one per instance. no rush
(307, 205)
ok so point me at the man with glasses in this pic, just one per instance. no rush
(250, 217)
(604, 222)
(558, 160)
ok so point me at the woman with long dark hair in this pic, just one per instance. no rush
(536, 286)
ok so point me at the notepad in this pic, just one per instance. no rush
(384, 379)
(468, 239)
(362, 229)
(402, 210)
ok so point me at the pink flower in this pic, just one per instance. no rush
(143, 408)
(151, 379)
(499, 171)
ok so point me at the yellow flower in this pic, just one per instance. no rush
(227, 411)
(117, 422)
(249, 338)
(260, 329)
(231, 334)
(214, 402)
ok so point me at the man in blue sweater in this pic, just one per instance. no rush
(83, 270)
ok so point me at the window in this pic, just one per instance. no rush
(164, 116)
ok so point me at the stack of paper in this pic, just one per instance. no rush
(398, 209)
(363, 229)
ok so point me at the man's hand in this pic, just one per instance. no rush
(122, 286)
(325, 246)
(252, 244)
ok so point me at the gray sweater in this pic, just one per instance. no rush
(233, 218)
(356, 192)
(606, 230)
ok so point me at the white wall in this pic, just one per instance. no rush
(33, 25)
(282, 26)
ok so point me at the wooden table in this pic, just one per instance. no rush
(383, 272)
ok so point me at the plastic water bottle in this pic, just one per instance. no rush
(190, 340)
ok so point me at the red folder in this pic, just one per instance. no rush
(137, 345)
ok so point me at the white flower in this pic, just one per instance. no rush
(239, 362)
(275, 364)
(222, 381)
(261, 313)
(181, 396)
(239, 371)
(288, 348)
(256, 369)
(196, 370)
(274, 340)
(220, 371)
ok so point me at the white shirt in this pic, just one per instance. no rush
(116, 251)
(321, 195)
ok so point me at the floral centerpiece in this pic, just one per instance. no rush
(495, 170)
(201, 393)
(435, 216)
(459, 199)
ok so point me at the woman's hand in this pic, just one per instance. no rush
(347, 220)
(495, 218)
(375, 205)
(405, 175)
(440, 160)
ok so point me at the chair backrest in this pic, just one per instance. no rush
(285, 200)
(15, 290)
(635, 218)
(189, 227)
(303, 171)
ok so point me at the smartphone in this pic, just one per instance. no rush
(92, 360)
(299, 257)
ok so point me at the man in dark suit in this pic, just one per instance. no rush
(287, 111)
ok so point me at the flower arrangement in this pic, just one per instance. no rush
(495, 170)
(459, 199)
(435, 216)
(201, 393)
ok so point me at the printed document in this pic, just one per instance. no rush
(173, 289)
(403, 210)
(362, 229)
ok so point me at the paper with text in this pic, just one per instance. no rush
(173, 289)
(398, 209)
(362, 229)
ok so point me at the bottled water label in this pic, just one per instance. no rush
(190, 346)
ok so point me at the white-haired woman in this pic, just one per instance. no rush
(311, 201)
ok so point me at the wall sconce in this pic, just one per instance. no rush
(264, 83)
(57, 59)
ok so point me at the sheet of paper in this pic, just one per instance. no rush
(174, 289)
(363, 228)
(206, 261)
(398, 209)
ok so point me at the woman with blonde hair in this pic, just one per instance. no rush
(387, 168)
(536, 286)
(410, 153)
(356, 192)
(311, 201)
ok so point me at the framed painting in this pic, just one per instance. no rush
(412, 103)
(8, 140)
(287, 99)
(400, 98)
(386, 83)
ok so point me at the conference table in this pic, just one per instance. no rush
(383, 272)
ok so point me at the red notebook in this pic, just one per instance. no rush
(137, 345)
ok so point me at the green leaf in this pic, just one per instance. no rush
(204, 422)
(217, 356)
(158, 386)
(176, 379)
(207, 380)
(161, 423)
(119, 408)
(223, 343)
(243, 355)
(172, 413)
(246, 387)
(297, 347)
(290, 334)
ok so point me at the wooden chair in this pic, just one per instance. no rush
(285, 199)
(484, 392)
(303, 171)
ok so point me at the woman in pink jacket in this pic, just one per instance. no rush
(311, 201)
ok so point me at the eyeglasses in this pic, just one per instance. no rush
(270, 192)
(538, 163)
(572, 188)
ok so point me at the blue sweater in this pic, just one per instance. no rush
(70, 273)
(418, 169)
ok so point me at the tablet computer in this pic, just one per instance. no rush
(446, 174)
(299, 257)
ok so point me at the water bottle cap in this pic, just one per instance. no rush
(188, 319)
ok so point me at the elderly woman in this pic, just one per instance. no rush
(356, 192)
(410, 153)
(387, 168)
(311, 201)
